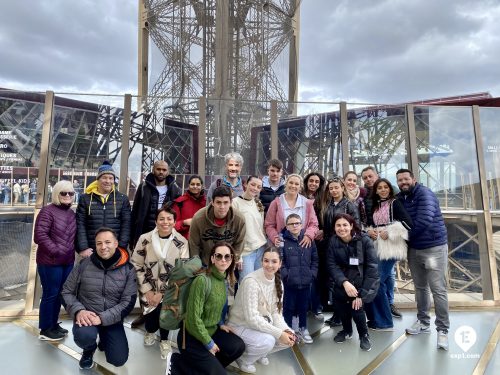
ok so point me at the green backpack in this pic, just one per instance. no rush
(173, 309)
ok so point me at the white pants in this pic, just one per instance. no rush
(258, 344)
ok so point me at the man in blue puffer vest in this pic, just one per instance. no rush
(427, 255)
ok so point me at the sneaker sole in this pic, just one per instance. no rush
(86, 368)
(46, 338)
(417, 333)
(381, 329)
(366, 350)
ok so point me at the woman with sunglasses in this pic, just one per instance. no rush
(55, 230)
(251, 208)
(193, 200)
(257, 313)
(207, 345)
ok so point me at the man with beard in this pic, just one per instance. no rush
(231, 178)
(157, 189)
(427, 255)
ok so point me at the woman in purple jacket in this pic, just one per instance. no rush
(55, 230)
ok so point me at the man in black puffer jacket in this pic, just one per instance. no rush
(157, 189)
(102, 205)
(98, 294)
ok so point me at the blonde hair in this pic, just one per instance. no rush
(62, 185)
(297, 176)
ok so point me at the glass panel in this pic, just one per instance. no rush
(447, 155)
(377, 137)
(490, 123)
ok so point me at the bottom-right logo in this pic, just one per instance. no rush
(465, 337)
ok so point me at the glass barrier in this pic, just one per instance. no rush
(491, 148)
(377, 137)
(447, 155)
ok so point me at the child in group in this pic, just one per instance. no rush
(298, 271)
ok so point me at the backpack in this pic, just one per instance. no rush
(173, 309)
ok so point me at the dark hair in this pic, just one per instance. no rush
(275, 163)
(230, 270)
(291, 216)
(355, 228)
(222, 191)
(259, 204)
(327, 198)
(167, 207)
(350, 172)
(277, 276)
(404, 170)
(375, 197)
(369, 168)
(320, 187)
(106, 229)
(193, 177)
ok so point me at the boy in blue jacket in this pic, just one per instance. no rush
(299, 269)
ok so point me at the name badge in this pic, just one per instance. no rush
(353, 261)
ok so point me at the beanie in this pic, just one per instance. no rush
(105, 168)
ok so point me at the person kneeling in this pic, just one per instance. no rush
(98, 294)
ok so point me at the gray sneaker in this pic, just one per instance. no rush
(418, 328)
(442, 340)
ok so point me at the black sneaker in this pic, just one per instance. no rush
(50, 335)
(87, 360)
(342, 336)
(395, 312)
(60, 329)
(365, 343)
(333, 321)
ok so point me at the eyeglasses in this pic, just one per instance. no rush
(226, 257)
(66, 193)
(296, 224)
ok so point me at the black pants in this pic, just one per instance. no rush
(152, 323)
(343, 306)
(112, 339)
(196, 359)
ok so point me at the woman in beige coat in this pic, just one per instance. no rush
(154, 257)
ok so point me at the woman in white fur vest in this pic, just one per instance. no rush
(154, 257)
(257, 313)
(390, 234)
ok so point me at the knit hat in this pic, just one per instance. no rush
(105, 168)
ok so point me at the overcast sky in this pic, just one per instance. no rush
(365, 51)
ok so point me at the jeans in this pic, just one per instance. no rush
(112, 339)
(343, 309)
(296, 303)
(252, 262)
(428, 269)
(52, 279)
(379, 310)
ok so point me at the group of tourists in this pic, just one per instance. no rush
(283, 246)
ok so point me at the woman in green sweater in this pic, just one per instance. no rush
(210, 345)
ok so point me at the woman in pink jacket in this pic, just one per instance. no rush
(291, 202)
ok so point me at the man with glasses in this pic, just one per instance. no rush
(102, 205)
(215, 223)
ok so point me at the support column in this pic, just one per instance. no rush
(487, 260)
(33, 291)
(143, 64)
(127, 112)
(293, 62)
(411, 141)
(274, 129)
(344, 137)
(202, 136)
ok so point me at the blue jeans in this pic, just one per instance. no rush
(379, 310)
(52, 279)
(252, 262)
(428, 269)
(296, 303)
(113, 341)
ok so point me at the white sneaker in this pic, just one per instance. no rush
(149, 339)
(264, 361)
(248, 368)
(418, 328)
(305, 336)
(168, 370)
(165, 348)
(442, 340)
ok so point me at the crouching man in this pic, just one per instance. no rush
(98, 294)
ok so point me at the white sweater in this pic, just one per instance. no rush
(256, 299)
(254, 224)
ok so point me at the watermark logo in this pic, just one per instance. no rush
(465, 338)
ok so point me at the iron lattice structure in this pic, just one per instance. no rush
(232, 53)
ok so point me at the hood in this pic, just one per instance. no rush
(124, 258)
(92, 188)
(287, 235)
(265, 182)
(187, 196)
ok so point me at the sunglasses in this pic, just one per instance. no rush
(296, 224)
(226, 257)
(66, 193)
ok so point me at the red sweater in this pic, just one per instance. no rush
(185, 207)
